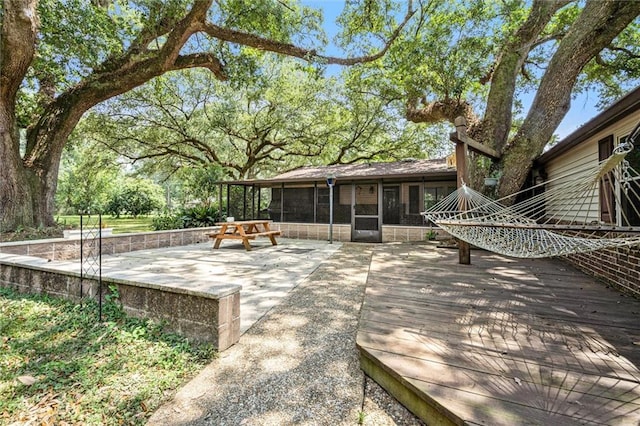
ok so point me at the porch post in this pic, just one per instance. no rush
(220, 202)
(282, 203)
(259, 200)
(315, 202)
(464, 250)
(244, 202)
(331, 181)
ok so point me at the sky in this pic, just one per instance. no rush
(582, 107)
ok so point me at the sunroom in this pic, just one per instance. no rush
(370, 202)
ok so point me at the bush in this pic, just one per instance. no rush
(192, 217)
(201, 216)
(135, 197)
(167, 221)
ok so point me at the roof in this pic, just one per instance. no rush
(369, 170)
(404, 169)
(626, 105)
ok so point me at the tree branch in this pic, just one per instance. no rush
(496, 122)
(201, 60)
(594, 29)
(261, 43)
(17, 45)
(438, 111)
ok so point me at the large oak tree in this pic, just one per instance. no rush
(465, 57)
(548, 48)
(58, 59)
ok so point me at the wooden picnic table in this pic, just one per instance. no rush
(244, 230)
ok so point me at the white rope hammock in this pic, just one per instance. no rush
(558, 217)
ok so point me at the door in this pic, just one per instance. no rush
(391, 205)
(366, 220)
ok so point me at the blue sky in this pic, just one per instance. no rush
(582, 108)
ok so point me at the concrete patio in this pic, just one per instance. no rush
(266, 274)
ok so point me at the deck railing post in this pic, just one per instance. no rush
(464, 250)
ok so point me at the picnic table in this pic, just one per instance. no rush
(244, 230)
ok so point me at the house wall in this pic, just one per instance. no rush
(618, 267)
(390, 233)
(584, 155)
(298, 204)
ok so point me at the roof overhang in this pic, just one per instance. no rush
(431, 176)
(625, 106)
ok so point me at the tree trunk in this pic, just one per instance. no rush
(15, 209)
(496, 123)
(17, 48)
(598, 24)
(495, 126)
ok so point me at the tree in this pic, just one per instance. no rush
(479, 59)
(135, 196)
(87, 175)
(51, 74)
(286, 116)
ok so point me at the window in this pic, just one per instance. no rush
(435, 194)
(323, 196)
(630, 185)
(430, 197)
(607, 205)
(414, 199)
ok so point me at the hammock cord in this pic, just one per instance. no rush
(557, 217)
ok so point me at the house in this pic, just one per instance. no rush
(372, 202)
(592, 142)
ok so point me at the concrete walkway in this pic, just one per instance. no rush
(297, 365)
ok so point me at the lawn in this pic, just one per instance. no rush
(120, 225)
(59, 365)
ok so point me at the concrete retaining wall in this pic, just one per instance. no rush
(65, 249)
(201, 317)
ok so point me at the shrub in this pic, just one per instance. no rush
(166, 221)
(192, 217)
(135, 197)
(201, 216)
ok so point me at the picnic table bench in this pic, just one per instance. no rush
(244, 230)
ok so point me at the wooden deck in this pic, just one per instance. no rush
(499, 342)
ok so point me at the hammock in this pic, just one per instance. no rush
(558, 217)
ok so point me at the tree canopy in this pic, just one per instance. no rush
(288, 117)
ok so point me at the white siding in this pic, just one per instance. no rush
(584, 155)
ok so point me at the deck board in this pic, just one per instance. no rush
(501, 341)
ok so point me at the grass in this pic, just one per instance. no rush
(120, 225)
(59, 365)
